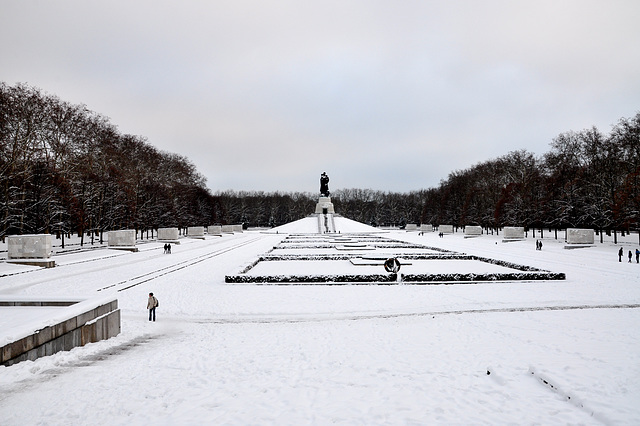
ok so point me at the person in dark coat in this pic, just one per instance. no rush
(620, 253)
(637, 256)
(630, 256)
(152, 304)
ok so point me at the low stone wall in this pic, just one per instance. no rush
(95, 324)
(237, 228)
(37, 246)
(426, 228)
(411, 227)
(580, 236)
(472, 231)
(227, 229)
(513, 233)
(122, 238)
(168, 234)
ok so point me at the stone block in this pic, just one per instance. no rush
(324, 205)
(227, 229)
(113, 324)
(426, 228)
(472, 231)
(64, 327)
(445, 229)
(37, 246)
(168, 234)
(580, 236)
(43, 335)
(122, 238)
(214, 230)
(513, 233)
(86, 317)
(237, 228)
(411, 227)
(195, 231)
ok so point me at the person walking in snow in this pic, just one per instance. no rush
(152, 304)
(637, 256)
(620, 253)
(630, 256)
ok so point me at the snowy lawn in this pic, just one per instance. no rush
(553, 352)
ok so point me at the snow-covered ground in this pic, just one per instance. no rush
(555, 352)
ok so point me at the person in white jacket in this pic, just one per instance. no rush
(152, 304)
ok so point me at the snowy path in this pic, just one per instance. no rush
(243, 354)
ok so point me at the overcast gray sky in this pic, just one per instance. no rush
(387, 95)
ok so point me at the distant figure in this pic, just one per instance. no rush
(630, 256)
(620, 253)
(166, 249)
(169, 248)
(152, 304)
(324, 184)
(637, 256)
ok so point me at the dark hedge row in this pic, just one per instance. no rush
(351, 256)
(391, 278)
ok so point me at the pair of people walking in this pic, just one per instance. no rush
(538, 245)
(167, 248)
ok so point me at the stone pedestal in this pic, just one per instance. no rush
(237, 228)
(324, 205)
(227, 229)
(411, 227)
(426, 228)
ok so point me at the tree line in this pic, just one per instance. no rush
(66, 169)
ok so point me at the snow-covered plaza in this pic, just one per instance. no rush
(525, 352)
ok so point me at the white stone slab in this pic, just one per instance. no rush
(580, 236)
(445, 229)
(513, 232)
(411, 227)
(122, 238)
(426, 228)
(472, 231)
(169, 234)
(214, 230)
(34, 246)
(237, 228)
(227, 229)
